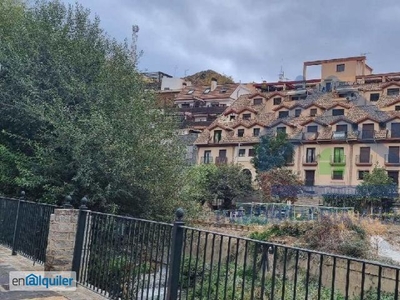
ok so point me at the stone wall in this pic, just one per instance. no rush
(61, 240)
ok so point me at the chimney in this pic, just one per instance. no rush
(213, 84)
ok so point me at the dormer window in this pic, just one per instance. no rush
(312, 128)
(217, 136)
(256, 131)
(190, 92)
(281, 129)
(374, 97)
(232, 118)
(341, 128)
(257, 101)
(240, 132)
(393, 92)
(277, 101)
(340, 68)
(283, 114)
(223, 90)
(397, 108)
(297, 112)
(337, 112)
(246, 116)
(313, 112)
(206, 91)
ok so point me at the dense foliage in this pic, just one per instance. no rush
(76, 118)
(272, 152)
(216, 184)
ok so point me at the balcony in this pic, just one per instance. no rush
(339, 135)
(310, 161)
(338, 160)
(363, 160)
(289, 162)
(393, 134)
(392, 160)
(310, 136)
(206, 160)
(221, 160)
(367, 135)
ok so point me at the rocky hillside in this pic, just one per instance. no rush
(204, 78)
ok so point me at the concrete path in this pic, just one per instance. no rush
(9, 263)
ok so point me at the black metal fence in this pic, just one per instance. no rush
(122, 257)
(126, 258)
(24, 227)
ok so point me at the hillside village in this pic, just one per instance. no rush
(342, 124)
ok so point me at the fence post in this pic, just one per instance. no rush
(79, 238)
(16, 225)
(175, 261)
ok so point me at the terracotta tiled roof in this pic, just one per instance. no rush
(355, 113)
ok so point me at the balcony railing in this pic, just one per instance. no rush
(206, 160)
(392, 160)
(338, 160)
(363, 160)
(339, 135)
(367, 134)
(310, 136)
(221, 160)
(393, 134)
(310, 161)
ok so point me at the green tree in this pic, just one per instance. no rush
(214, 184)
(272, 152)
(76, 117)
(376, 186)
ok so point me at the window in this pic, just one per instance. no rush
(246, 116)
(393, 92)
(256, 131)
(277, 101)
(312, 128)
(297, 112)
(185, 105)
(337, 175)
(374, 97)
(341, 128)
(251, 152)
(223, 91)
(394, 156)
(340, 68)
(207, 158)
(283, 114)
(368, 131)
(281, 129)
(313, 112)
(232, 118)
(190, 92)
(395, 130)
(365, 154)
(310, 155)
(257, 101)
(242, 152)
(397, 107)
(217, 136)
(361, 174)
(240, 132)
(337, 112)
(206, 91)
(338, 155)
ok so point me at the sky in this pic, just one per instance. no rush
(251, 40)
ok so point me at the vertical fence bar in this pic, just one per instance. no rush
(80, 234)
(16, 225)
(175, 259)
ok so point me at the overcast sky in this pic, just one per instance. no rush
(251, 39)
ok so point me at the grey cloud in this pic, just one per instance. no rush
(250, 40)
